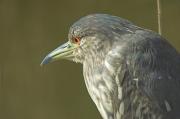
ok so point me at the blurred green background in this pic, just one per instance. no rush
(29, 29)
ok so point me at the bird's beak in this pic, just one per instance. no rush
(64, 51)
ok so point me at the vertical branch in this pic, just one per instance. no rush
(159, 17)
(1, 75)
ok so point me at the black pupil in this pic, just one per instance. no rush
(76, 40)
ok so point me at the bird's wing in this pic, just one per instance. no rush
(155, 67)
(147, 74)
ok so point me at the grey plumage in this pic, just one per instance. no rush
(130, 72)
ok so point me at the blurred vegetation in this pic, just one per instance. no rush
(29, 29)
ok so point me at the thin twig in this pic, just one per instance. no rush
(159, 17)
(1, 75)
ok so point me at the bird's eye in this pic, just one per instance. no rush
(76, 40)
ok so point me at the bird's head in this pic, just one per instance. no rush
(88, 38)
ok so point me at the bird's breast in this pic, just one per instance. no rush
(103, 90)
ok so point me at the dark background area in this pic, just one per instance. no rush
(29, 29)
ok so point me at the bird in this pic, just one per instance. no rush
(130, 72)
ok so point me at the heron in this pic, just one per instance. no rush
(130, 72)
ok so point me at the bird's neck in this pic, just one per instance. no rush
(94, 59)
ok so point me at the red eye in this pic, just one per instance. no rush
(76, 40)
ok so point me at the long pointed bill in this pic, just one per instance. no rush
(64, 51)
